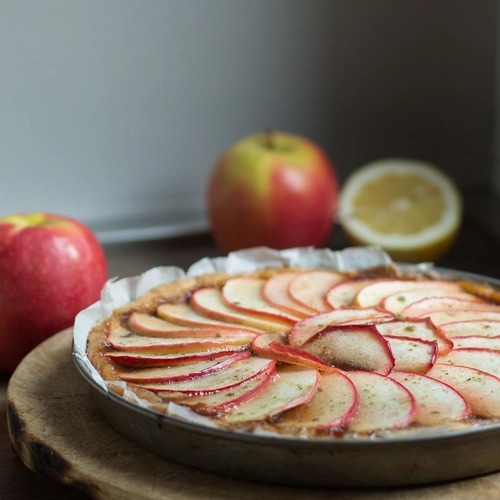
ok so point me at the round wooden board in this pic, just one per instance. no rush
(57, 430)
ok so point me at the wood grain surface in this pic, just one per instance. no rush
(57, 430)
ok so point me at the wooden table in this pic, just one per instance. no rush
(475, 251)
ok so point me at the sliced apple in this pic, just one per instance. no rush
(332, 406)
(396, 302)
(209, 302)
(481, 390)
(343, 293)
(383, 403)
(272, 345)
(440, 318)
(234, 375)
(373, 294)
(124, 340)
(305, 329)
(417, 328)
(246, 295)
(292, 386)
(222, 400)
(142, 359)
(352, 347)
(152, 326)
(183, 314)
(429, 305)
(484, 328)
(487, 360)
(413, 355)
(309, 288)
(477, 341)
(276, 293)
(177, 373)
(436, 401)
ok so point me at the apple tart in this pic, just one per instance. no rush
(346, 345)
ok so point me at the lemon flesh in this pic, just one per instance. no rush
(407, 207)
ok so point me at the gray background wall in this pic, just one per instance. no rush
(117, 109)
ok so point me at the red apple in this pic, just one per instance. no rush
(51, 267)
(272, 189)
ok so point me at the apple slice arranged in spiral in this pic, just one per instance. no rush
(478, 342)
(412, 354)
(484, 328)
(440, 318)
(383, 403)
(343, 293)
(332, 406)
(436, 401)
(352, 347)
(487, 360)
(427, 306)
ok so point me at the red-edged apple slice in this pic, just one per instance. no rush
(352, 347)
(484, 328)
(124, 340)
(480, 389)
(223, 400)
(477, 341)
(305, 329)
(396, 302)
(440, 318)
(421, 328)
(272, 345)
(292, 386)
(183, 314)
(373, 294)
(177, 373)
(383, 403)
(427, 306)
(237, 373)
(152, 326)
(209, 302)
(142, 359)
(246, 295)
(309, 288)
(343, 293)
(486, 360)
(332, 406)
(436, 401)
(276, 293)
(413, 355)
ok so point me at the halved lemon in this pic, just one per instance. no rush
(409, 208)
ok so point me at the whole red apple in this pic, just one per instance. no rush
(51, 267)
(272, 189)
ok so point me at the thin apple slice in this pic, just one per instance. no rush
(183, 314)
(429, 305)
(246, 295)
(480, 389)
(383, 403)
(417, 328)
(484, 328)
(440, 318)
(413, 355)
(477, 341)
(221, 401)
(352, 347)
(152, 326)
(343, 293)
(396, 302)
(292, 386)
(209, 302)
(309, 288)
(142, 359)
(124, 340)
(276, 293)
(272, 345)
(332, 406)
(373, 294)
(436, 401)
(487, 360)
(232, 376)
(177, 373)
(305, 329)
